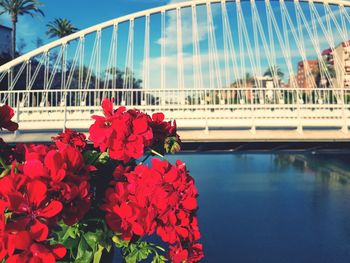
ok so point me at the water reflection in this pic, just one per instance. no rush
(330, 169)
(285, 207)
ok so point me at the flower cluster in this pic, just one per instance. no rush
(52, 184)
(160, 199)
(165, 138)
(6, 114)
(51, 195)
(124, 133)
(73, 138)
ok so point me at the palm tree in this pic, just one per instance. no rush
(60, 27)
(17, 8)
(274, 72)
(248, 78)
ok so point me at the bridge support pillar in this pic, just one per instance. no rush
(206, 128)
(345, 129)
(300, 129)
(253, 130)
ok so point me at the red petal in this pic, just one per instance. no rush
(21, 240)
(158, 117)
(36, 192)
(34, 168)
(17, 202)
(183, 232)
(6, 186)
(51, 210)
(190, 203)
(53, 161)
(39, 231)
(107, 107)
(41, 254)
(140, 125)
(137, 229)
(59, 251)
(11, 126)
(15, 259)
(37, 260)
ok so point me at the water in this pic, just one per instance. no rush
(273, 208)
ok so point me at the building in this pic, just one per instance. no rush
(342, 65)
(265, 82)
(306, 74)
(5, 40)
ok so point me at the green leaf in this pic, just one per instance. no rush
(103, 158)
(159, 259)
(90, 156)
(119, 242)
(71, 243)
(94, 157)
(85, 258)
(138, 252)
(171, 145)
(98, 254)
(93, 238)
(83, 250)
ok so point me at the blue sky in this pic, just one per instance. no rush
(86, 13)
(82, 13)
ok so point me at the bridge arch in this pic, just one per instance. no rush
(112, 22)
(74, 75)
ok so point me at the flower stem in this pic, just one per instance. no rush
(145, 159)
(3, 163)
(157, 153)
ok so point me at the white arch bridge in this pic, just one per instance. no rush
(225, 70)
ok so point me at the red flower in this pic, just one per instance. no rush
(124, 133)
(33, 208)
(3, 235)
(193, 253)
(165, 138)
(73, 138)
(38, 253)
(162, 198)
(177, 254)
(6, 114)
(120, 171)
(101, 132)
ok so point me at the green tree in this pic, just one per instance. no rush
(60, 27)
(17, 8)
(248, 78)
(274, 71)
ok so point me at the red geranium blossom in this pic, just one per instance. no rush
(192, 254)
(35, 252)
(163, 130)
(162, 198)
(6, 114)
(124, 133)
(33, 208)
(73, 138)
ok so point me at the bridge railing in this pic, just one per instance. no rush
(187, 98)
(248, 107)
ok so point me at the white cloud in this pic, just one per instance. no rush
(186, 21)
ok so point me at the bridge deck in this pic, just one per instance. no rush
(228, 135)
